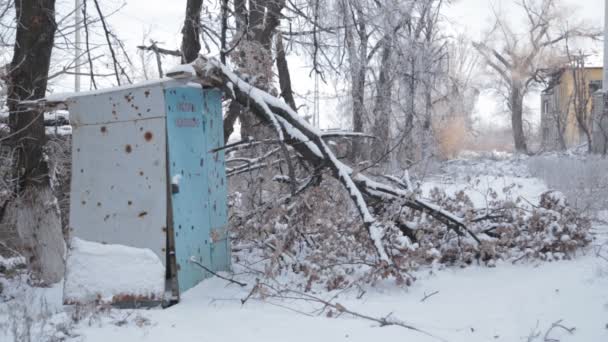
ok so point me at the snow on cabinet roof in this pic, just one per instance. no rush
(60, 100)
(166, 81)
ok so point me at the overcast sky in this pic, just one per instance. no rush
(162, 19)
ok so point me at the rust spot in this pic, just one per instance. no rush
(142, 214)
(128, 149)
(148, 136)
(103, 129)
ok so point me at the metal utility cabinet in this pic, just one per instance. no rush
(145, 175)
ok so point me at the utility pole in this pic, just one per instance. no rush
(77, 43)
(605, 82)
(600, 126)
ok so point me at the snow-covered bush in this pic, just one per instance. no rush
(582, 178)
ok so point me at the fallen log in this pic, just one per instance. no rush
(308, 142)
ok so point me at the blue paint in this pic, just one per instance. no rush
(217, 187)
(194, 127)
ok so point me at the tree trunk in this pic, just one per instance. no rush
(284, 76)
(382, 107)
(516, 104)
(34, 212)
(191, 44)
(407, 148)
(357, 56)
(254, 56)
(426, 138)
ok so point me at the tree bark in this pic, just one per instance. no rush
(382, 107)
(191, 44)
(516, 104)
(254, 55)
(34, 212)
(284, 76)
(358, 66)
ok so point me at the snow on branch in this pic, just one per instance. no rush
(308, 142)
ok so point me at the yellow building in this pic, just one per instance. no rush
(559, 126)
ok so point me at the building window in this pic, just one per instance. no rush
(595, 86)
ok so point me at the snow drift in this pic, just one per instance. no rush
(103, 273)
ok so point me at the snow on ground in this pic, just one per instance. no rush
(509, 302)
(508, 177)
(99, 271)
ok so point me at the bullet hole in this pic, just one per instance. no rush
(148, 136)
(83, 202)
(128, 149)
(147, 93)
(99, 204)
(103, 129)
(130, 202)
(142, 214)
(141, 173)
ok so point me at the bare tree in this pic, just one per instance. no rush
(191, 32)
(356, 37)
(554, 119)
(581, 96)
(34, 211)
(517, 58)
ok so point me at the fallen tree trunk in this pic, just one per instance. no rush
(309, 143)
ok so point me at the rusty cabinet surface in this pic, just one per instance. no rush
(143, 168)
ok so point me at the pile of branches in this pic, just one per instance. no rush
(317, 240)
(305, 223)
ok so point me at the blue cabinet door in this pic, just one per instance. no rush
(217, 191)
(188, 174)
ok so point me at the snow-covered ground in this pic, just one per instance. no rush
(509, 302)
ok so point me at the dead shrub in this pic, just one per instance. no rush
(451, 135)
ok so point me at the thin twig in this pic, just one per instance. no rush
(428, 296)
(382, 321)
(192, 260)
